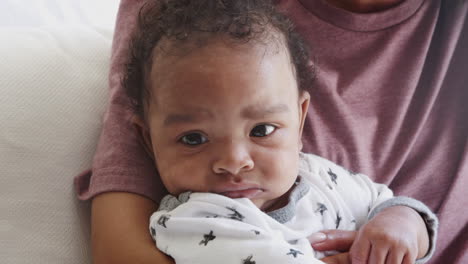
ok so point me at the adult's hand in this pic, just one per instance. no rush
(338, 240)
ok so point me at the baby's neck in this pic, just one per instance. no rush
(281, 201)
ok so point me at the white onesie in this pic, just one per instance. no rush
(210, 228)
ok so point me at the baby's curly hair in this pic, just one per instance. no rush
(189, 21)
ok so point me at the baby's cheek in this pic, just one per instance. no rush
(284, 169)
(185, 177)
(172, 177)
(282, 139)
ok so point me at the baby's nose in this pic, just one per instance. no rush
(233, 158)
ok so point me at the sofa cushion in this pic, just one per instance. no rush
(53, 89)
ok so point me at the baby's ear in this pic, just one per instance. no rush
(143, 134)
(304, 100)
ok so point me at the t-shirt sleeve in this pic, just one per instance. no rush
(120, 162)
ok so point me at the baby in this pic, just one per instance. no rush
(220, 90)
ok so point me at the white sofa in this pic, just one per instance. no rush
(53, 94)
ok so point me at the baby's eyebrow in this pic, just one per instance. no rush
(193, 116)
(178, 118)
(257, 112)
(251, 112)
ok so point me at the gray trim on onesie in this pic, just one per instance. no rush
(286, 213)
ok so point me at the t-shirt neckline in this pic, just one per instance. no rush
(362, 21)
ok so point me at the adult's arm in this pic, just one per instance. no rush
(120, 219)
(119, 230)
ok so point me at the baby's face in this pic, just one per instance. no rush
(227, 120)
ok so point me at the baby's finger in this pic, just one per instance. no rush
(395, 257)
(409, 259)
(359, 253)
(378, 254)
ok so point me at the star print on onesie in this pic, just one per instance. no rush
(294, 252)
(333, 176)
(163, 219)
(207, 238)
(321, 208)
(248, 260)
(235, 215)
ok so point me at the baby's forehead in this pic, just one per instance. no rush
(217, 56)
(215, 61)
(210, 73)
(269, 43)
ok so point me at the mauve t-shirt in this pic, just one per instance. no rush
(390, 100)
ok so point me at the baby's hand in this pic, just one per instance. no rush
(397, 235)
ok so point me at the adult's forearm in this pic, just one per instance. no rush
(119, 227)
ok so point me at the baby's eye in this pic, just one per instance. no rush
(193, 139)
(262, 130)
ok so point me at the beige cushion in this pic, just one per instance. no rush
(53, 90)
